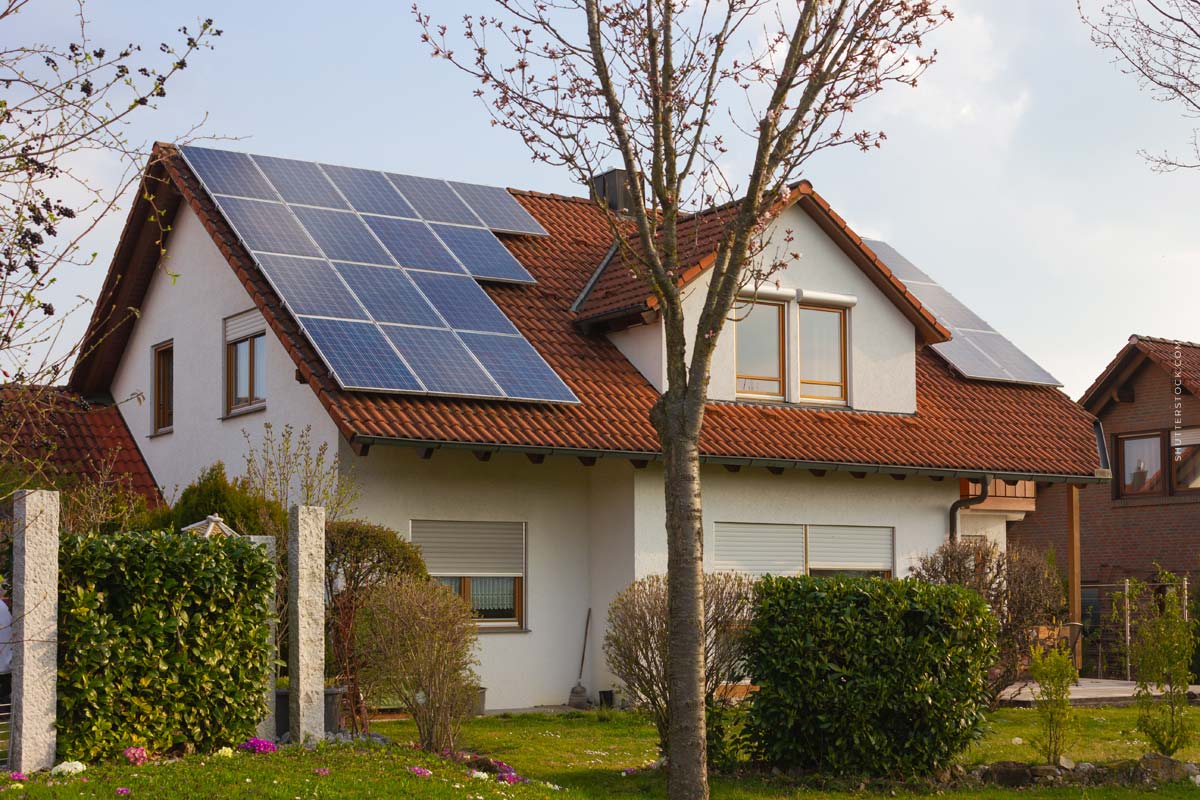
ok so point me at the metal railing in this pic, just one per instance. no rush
(1107, 636)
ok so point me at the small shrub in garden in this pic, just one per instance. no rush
(213, 493)
(162, 642)
(416, 641)
(1161, 655)
(635, 646)
(1055, 673)
(1022, 587)
(863, 676)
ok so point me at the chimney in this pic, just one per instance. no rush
(612, 187)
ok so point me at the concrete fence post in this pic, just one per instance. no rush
(306, 622)
(34, 630)
(266, 727)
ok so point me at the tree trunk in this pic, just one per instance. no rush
(686, 757)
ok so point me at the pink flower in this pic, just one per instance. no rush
(420, 772)
(322, 771)
(122, 790)
(20, 777)
(256, 745)
(136, 755)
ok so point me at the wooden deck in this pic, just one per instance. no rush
(1088, 692)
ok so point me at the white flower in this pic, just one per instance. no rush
(68, 768)
(483, 776)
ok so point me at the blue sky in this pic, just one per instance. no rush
(1011, 174)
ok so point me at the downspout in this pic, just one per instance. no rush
(967, 502)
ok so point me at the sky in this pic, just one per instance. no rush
(1011, 174)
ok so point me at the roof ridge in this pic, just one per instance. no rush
(1160, 340)
(567, 198)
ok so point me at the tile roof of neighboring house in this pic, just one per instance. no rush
(73, 439)
(961, 425)
(1169, 354)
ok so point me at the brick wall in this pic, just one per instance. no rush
(1123, 538)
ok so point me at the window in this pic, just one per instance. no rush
(246, 362)
(483, 562)
(1141, 465)
(822, 353)
(164, 387)
(785, 549)
(760, 350)
(1185, 460)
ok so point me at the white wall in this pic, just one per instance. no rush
(991, 524)
(190, 310)
(610, 553)
(882, 342)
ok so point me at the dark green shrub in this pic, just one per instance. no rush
(162, 642)
(213, 493)
(863, 676)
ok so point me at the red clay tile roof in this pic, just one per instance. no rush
(1161, 352)
(961, 425)
(72, 439)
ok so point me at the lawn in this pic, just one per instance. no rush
(582, 752)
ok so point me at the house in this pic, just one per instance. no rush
(1148, 401)
(506, 430)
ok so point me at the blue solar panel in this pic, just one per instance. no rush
(389, 295)
(498, 209)
(516, 366)
(462, 303)
(369, 192)
(359, 355)
(342, 236)
(224, 172)
(482, 253)
(310, 286)
(946, 307)
(441, 361)
(412, 244)
(1010, 358)
(433, 199)
(300, 182)
(266, 227)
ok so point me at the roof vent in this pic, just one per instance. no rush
(612, 188)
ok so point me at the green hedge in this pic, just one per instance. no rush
(863, 676)
(163, 642)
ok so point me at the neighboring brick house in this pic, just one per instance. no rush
(1148, 400)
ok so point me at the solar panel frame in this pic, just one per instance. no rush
(266, 226)
(498, 209)
(342, 235)
(359, 355)
(518, 367)
(228, 172)
(310, 286)
(462, 302)
(484, 256)
(1012, 360)
(947, 308)
(413, 244)
(369, 191)
(442, 362)
(300, 182)
(434, 200)
(389, 295)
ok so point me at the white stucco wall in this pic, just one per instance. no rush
(191, 311)
(990, 524)
(881, 358)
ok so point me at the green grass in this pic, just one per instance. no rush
(581, 752)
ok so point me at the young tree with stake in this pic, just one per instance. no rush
(664, 87)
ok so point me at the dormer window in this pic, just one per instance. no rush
(822, 353)
(761, 350)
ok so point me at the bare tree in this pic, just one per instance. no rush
(65, 108)
(663, 87)
(1158, 42)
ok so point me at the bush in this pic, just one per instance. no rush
(1055, 673)
(358, 557)
(1021, 587)
(163, 642)
(864, 676)
(635, 646)
(213, 493)
(1161, 656)
(416, 642)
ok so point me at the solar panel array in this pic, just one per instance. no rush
(976, 349)
(381, 270)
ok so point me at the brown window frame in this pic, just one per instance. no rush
(163, 410)
(1163, 454)
(255, 400)
(781, 310)
(845, 394)
(464, 591)
(1175, 490)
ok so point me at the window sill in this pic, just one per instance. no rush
(241, 412)
(482, 629)
(163, 432)
(1157, 500)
